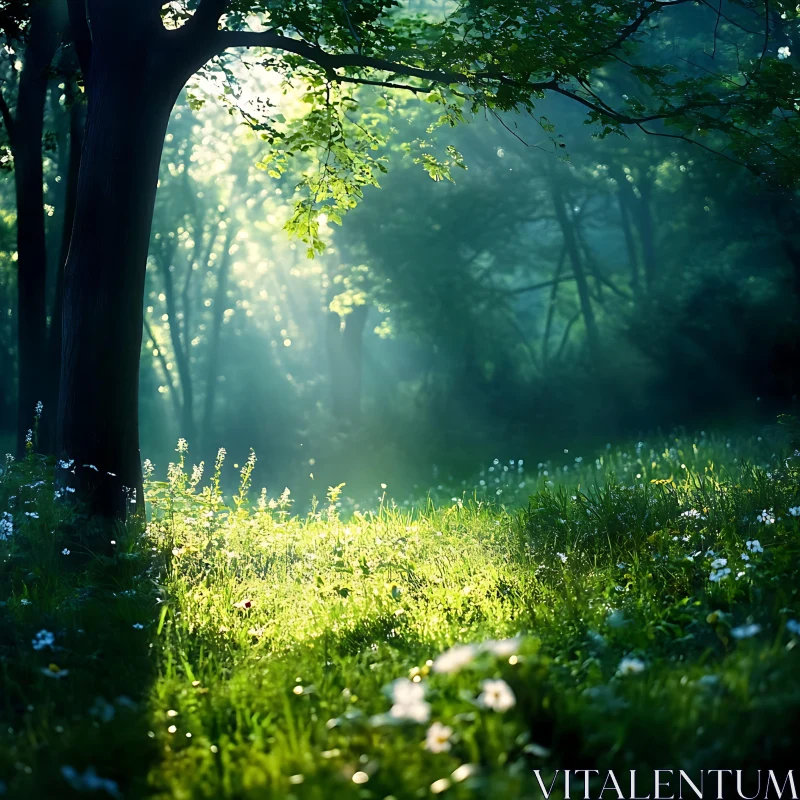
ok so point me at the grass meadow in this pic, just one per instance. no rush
(634, 608)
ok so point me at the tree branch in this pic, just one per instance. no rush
(386, 84)
(541, 285)
(273, 39)
(80, 33)
(206, 19)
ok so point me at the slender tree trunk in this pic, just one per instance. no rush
(131, 91)
(551, 305)
(77, 117)
(220, 301)
(345, 361)
(573, 253)
(47, 24)
(353, 359)
(180, 346)
(630, 244)
(644, 219)
(162, 360)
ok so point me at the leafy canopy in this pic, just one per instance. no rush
(721, 76)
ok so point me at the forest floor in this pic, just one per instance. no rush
(640, 611)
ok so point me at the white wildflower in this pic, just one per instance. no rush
(746, 631)
(43, 639)
(794, 511)
(630, 666)
(455, 658)
(463, 772)
(718, 563)
(408, 700)
(754, 546)
(766, 517)
(784, 52)
(719, 574)
(6, 525)
(437, 740)
(497, 695)
(502, 648)
(54, 671)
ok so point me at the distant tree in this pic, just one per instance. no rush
(37, 30)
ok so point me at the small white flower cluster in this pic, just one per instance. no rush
(767, 517)
(746, 631)
(692, 513)
(408, 701)
(497, 695)
(754, 546)
(460, 655)
(720, 573)
(794, 511)
(437, 740)
(43, 639)
(630, 666)
(6, 526)
(784, 52)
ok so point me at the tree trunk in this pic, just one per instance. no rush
(180, 344)
(630, 244)
(345, 358)
(220, 301)
(131, 91)
(77, 121)
(644, 219)
(47, 23)
(571, 245)
(551, 305)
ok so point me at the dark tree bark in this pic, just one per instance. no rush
(77, 121)
(132, 83)
(48, 21)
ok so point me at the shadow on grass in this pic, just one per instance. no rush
(75, 657)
